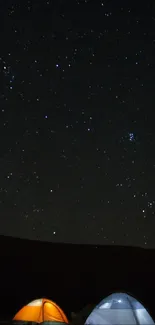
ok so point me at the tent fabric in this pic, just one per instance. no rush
(119, 309)
(41, 310)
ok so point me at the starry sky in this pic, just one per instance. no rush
(77, 136)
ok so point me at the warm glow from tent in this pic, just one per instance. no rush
(41, 310)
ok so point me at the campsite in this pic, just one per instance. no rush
(75, 277)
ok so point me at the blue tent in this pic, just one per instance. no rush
(119, 309)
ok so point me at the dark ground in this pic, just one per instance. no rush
(71, 275)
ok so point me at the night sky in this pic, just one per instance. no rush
(77, 131)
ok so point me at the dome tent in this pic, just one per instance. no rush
(120, 309)
(41, 311)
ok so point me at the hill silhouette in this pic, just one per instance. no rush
(72, 275)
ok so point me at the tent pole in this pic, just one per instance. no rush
(137, 321)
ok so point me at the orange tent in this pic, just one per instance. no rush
(41, 310)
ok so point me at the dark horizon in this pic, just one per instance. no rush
(26, 240)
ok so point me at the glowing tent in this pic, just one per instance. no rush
(120, 309)
(41, 311)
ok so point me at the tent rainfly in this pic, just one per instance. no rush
(120, 309)
(41, 311)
